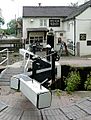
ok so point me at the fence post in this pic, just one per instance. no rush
(7, 57)
(53, 68)
(24, 62)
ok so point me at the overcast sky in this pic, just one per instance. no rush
(12, 8)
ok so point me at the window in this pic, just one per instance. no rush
(59, 40)
(88, 43)
(43, 22)
(41, 39)
(61, 34)
(37, 39)
(31, 39)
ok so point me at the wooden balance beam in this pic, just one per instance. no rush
(33, 90)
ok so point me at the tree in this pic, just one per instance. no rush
(19, 27)
(2, 21)
(13, 25)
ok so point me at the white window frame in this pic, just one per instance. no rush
(43, 22)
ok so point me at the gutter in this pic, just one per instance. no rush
(74, 36)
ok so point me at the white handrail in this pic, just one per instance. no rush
(7, 58)
(26, 65)
(3, 50)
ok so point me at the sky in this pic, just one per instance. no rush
(12, 9)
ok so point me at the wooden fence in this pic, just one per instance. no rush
(11, 44)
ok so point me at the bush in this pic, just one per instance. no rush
(72, 81)
(87, 83)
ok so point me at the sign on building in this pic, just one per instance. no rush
(82, 37)
(54, 22)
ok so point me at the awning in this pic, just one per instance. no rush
(37, 30)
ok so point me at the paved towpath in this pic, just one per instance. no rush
(72, 60)
(75, 61)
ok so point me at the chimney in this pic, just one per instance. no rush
(39, 4)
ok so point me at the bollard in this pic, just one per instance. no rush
(48, 47)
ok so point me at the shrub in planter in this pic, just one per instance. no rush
(72, 81)
(87, 83)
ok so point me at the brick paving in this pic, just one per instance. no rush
(64, 107)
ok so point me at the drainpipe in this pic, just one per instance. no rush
(74, 36)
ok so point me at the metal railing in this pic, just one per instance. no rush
(26, 61)
(26, 64)
(7, 57)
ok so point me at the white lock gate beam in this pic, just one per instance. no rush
(33, 90)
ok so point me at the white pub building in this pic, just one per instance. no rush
(71, 24)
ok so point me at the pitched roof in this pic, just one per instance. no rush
(46, 11)
(68, 12)
(79, 10)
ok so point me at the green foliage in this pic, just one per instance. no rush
(87, 83)
(2, 21)
(58, 92)
(72, 81)
(13, 25)
(1, 31)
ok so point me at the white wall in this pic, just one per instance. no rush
(28, 24)
(68, 26)
(36, 24)
(83, 26)
(84, 49)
